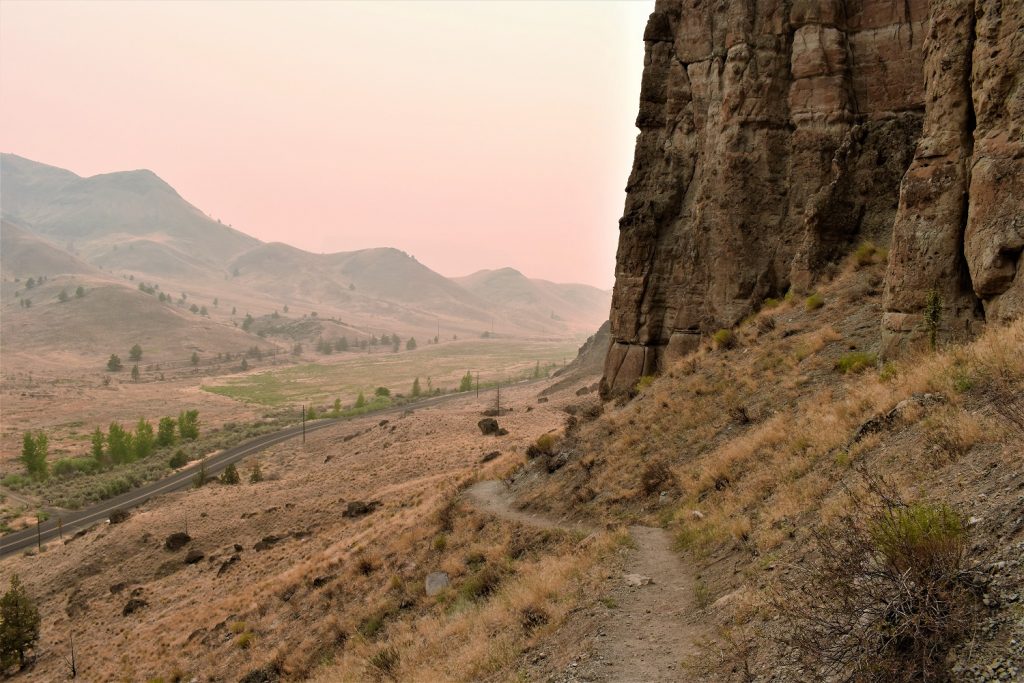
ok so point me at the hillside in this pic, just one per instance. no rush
(582, 306)
(97, 216)
(24, 255)
(136, 225)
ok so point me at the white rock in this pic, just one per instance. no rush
(637, 580)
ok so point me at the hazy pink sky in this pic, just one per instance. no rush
(470, 134)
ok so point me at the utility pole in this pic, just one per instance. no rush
(303, 423)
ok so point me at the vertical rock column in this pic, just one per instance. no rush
(928, 233)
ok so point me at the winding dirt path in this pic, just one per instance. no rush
(647, 634)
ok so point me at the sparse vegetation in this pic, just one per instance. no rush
(856, 361)
(724, 339)
(889, 595)
(932, 316)
(814, 302)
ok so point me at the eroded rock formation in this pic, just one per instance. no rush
(774, 134)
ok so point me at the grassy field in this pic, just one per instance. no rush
(345, 375)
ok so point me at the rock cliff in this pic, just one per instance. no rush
(775, 134)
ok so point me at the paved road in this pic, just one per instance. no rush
(79, 519)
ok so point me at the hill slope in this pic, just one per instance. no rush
(581, 306)
(95, 216)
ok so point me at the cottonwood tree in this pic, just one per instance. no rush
(143, 441)
(360, 400)
(466, 384)
(135, 372)
(165, 432)
(114, 363)
(188, 424)
(97, 446)
(119, 444)
(34, 450)
(415, 388)
(135, 353)
(19, 625)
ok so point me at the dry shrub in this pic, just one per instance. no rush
(724, 339)
(385, 662)
(888, 596)
(545, 445)
(655, 477)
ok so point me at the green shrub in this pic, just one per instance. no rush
(770, 303)
(814, 302)
(724, 339)
(70, 466)
(545, 445)
(481, 584)
(440, 543)
(179, 459)
(868, 253)
(15, 481)
(888, 595)
(644, 382)
(919, 537)
(888, 372)
(856, 361)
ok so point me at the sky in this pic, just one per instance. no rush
(471, 134)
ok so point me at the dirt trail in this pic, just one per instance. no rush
(647, 635)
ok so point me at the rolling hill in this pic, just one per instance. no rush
(134, 226)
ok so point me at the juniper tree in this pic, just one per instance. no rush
(19, 625)
(135, 353)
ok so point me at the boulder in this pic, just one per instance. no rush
(194, 556)
(488, 425)
(436, 582)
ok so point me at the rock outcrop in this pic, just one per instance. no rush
(775, 134)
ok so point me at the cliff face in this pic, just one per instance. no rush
(774, 134)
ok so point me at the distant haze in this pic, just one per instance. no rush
(470, 134)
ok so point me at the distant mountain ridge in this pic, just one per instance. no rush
(135, 224)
